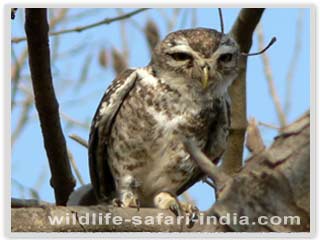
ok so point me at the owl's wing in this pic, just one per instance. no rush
(217, 138)
(100, 174)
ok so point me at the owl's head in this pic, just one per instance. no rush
(205, 58)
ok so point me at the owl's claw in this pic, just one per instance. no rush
(165, 200)
(116, 202)
(176, 209)
(191, 211)
(138, 204)
(128, 199)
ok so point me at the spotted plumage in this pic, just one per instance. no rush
(135, 147)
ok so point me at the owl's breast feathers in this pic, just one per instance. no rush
(137, 131)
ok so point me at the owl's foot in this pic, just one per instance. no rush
(191, 211)
(165, 200)
(128, 199)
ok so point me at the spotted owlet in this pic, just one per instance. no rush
(136, 150)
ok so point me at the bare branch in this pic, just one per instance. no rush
(294, 61)
(274, 182)
(206, 166)
(79, 140)
(254, 140)
(72, 121)
(103, 58)
(119, 62)
(242, 31)
(89, 26)
(270, 79)
(15, 73)
(152, 34)
(194, 21)
(36, 28)
(268, 125)
(25, 189)
(23, 119)
(124, 37)
(62, 13)
(75, 168)
(171, 21)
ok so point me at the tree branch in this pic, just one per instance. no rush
(270, 80)
(89, 26)
(36, 28)
(242, 31)
(254, 141)
(294, 61)
(274, 182)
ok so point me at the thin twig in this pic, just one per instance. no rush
(79, 140)
(24, 116)
(151, 32)
(32, 191)
(59, 18)
(73, 121)
(89, 26)
(270, 79)
(268, 125)
(62, 13)
(294, 61)
(75, 168)
(194, 19)
(41, 178)
(124, 37)
(16, 72)
(206, 166)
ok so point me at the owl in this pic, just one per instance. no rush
(136, 151)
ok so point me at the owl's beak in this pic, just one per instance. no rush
(205, 77)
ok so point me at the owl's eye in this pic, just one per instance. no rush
(181, 56)
(227, 57)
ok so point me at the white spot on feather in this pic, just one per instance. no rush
(147, 77)
(164, 121)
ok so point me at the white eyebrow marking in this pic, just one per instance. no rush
(180, 48)
(182, 41)
(225, 49)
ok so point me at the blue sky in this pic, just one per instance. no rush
(29, 162)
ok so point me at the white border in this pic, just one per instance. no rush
(5, 125)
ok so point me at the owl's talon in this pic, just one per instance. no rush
(192, 212)
(138, 203)
(116, 202)
(128, 199)
(165, 200)
(175, 208)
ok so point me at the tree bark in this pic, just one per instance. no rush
(242, 31)
(273, 182)
(36, 27)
